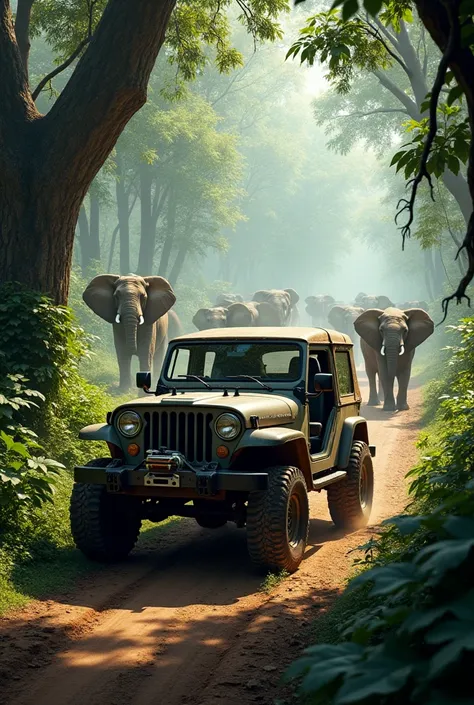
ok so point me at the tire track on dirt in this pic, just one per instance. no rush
(186, 622)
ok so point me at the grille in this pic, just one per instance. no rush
(188, 432)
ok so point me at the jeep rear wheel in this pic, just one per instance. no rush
(278, 521)
(350, 500)
(104, 526)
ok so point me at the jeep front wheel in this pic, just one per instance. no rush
(278, 521)
(350, 500)
(104, 526)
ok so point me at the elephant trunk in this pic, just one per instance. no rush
(130, 320)
(392, 344)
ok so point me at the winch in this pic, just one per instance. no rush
(164, 461)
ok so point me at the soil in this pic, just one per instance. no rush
(184, 619)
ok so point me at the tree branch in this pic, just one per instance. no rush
(410, 105)
(59, 69)
(108, 85)
(22, 30)
(374, 32)
(409, 204)
(16, 106)
(374, 112)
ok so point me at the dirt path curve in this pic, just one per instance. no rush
(184, 620)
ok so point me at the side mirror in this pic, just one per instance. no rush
(323, 382)
(144, 380)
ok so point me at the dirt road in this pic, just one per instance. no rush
(185, 621)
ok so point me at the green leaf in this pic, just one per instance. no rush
(454, 94)
(349, 8)
(453, 164)
(388, 579)
(450, 630)
(382, 677)
(373, 7)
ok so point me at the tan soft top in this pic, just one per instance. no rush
(309, 335)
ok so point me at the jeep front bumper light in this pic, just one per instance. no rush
(129, 424)
(228, 426)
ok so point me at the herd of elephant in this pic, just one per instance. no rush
(140, 311)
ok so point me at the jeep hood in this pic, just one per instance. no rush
(271, 409)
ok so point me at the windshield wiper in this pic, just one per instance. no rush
(199, 379)
(253, 379)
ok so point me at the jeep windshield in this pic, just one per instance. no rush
(234, 364)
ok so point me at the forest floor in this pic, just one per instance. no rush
(186, 619)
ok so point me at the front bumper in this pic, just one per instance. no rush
(119, 479)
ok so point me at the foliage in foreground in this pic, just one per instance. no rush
(416, 640)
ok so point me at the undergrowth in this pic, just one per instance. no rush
(404, 632)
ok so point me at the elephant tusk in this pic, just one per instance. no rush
(402, 350)
(141, 321)
(117, 318)
(382, 351)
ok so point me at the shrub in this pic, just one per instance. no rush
(415, 641)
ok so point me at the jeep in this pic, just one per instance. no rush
(242, 425)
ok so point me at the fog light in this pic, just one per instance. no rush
(133, 449)
(222, 451)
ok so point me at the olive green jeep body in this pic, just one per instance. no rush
(243, 424)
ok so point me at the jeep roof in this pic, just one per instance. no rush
(307, 334)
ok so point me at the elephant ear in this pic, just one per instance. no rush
(384, 302)
(367, 326)
(99, 296)
(267, 315)
(420, 327)
(160, 299)
(262, 295)
(239, 315)
(200, 319)
(294, 297)
(336, 317)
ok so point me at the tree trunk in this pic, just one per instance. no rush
(170, 233)
(178, 265)
(84, 241)
(47, 163)
(147, 226)
(429, 274)
(94, 229)
(22, 30)
(123, 215)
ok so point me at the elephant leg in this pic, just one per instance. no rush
(161, 344)
(388, 397)
(373, 396)
(403, 376)
(124, 359)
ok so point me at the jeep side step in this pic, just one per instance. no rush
(320, 482)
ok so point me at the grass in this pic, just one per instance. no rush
(273, 580)
(50, 563)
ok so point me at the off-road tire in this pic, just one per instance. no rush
(269, 529)
(350, 500)
(104, 526)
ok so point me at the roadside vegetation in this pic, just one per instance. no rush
(403, 630)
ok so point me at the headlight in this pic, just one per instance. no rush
(129, 423)
(228, 427)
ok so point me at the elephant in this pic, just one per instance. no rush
(359, 298)
(253, 313)
(414, 304)
(318, 308)
(388, 342)
(137, 307)
(342, 318)
(372, 301)
(206, 318)
(283, 300)
(224, 300)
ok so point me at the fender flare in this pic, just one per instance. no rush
(271, 436)
(354, 429)
(100, 432)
